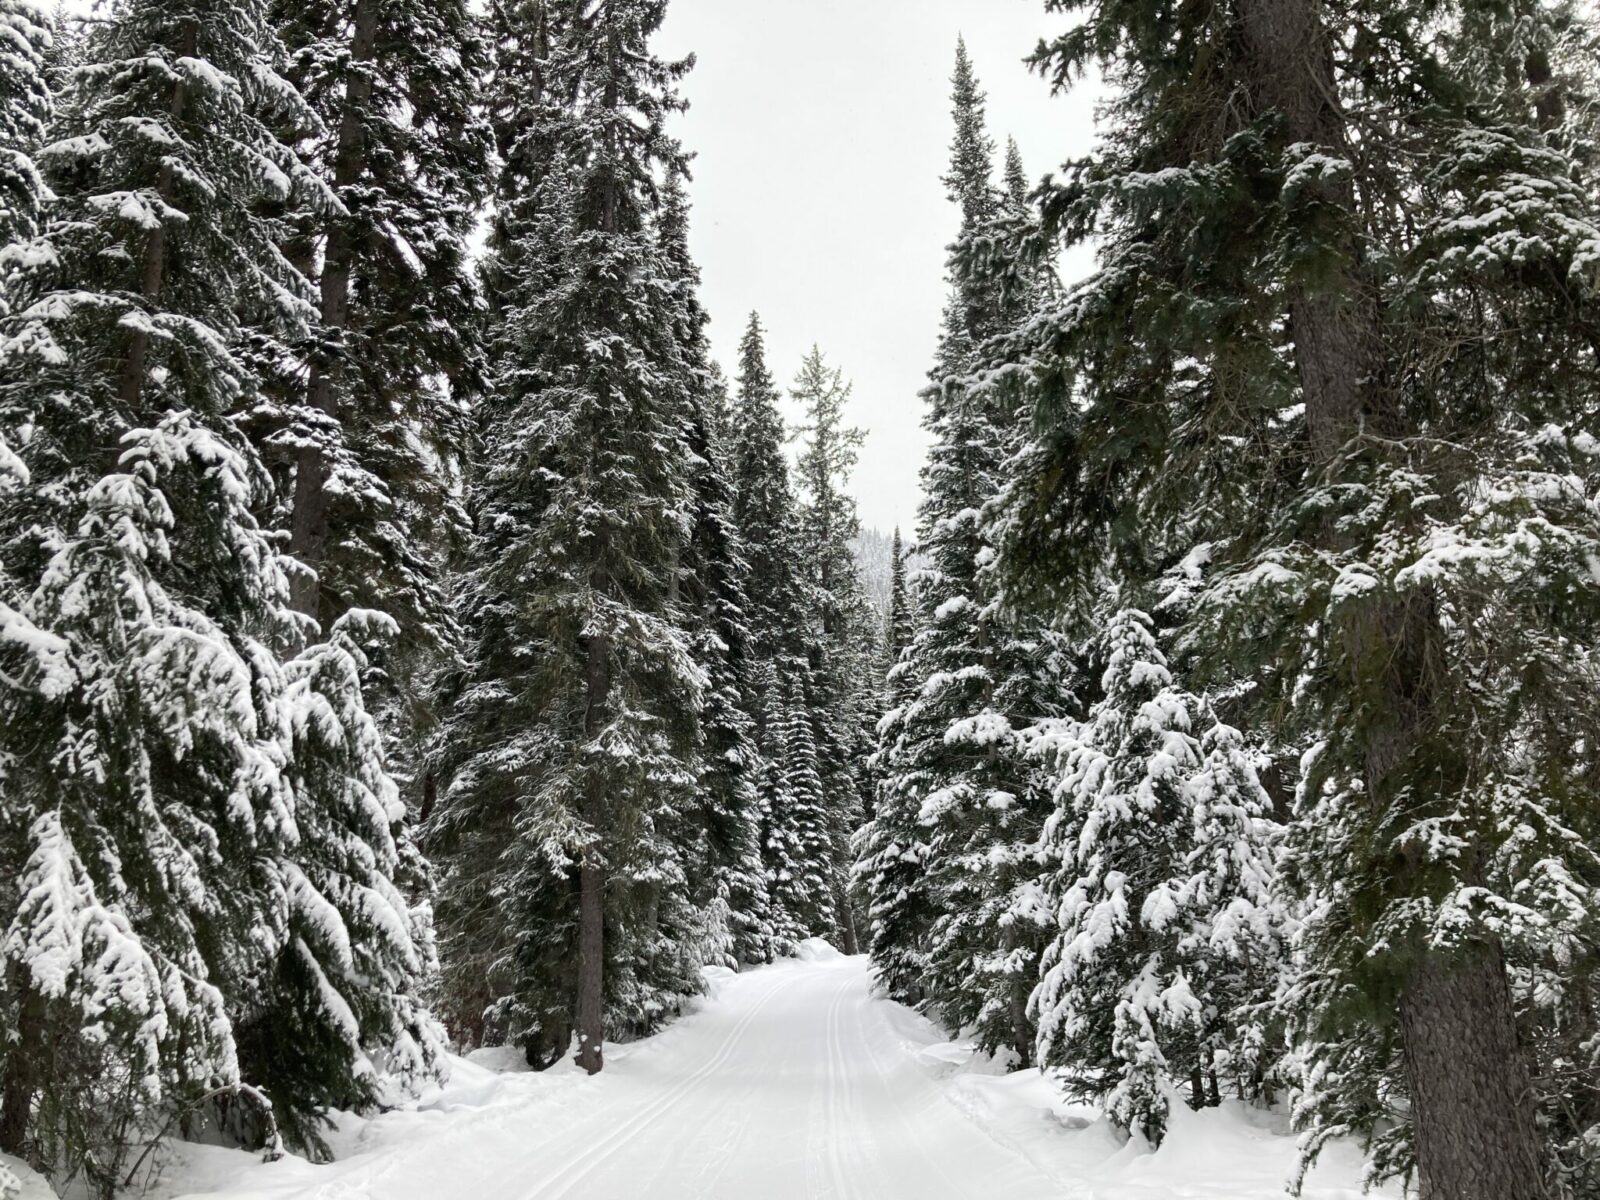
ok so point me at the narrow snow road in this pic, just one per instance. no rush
(789, 1081)
(792, 1085)
(792, 1081)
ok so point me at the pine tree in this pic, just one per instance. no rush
(1016, 181)
(1363, 378)
(949, 859)
(572, 744)
(764, 505)
(783, 635)
(403, 152)
(800, 833)
(845, 631)
(1161, 886)
(728, 880)
(898, 627)
(373, 433)
(196, 803)
(24, 42)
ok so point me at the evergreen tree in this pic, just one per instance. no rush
(764, 507)
(24, 43)
(728, 880)
(783, 637)
(948, 860)
(1353, 357)
(1161, 890)
(898, 627)
(800, 832)
(401, 149)
(370, 438)
(845, 632)
(572, 742)
(1015, 180)
(201, 831)
(782, 853)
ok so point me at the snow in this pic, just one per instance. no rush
(793, 1080)
(19, 1181)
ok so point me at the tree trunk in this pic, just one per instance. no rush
(19, 1080)
(847, 923)
(1018, 989)
(590, 1008)
(1470, 1091)
(1474, 1136)
(155, 248)
(308, 522)
(590, 1023)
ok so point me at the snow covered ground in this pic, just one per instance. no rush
(789, 1081)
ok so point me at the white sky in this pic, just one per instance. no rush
(821, 129)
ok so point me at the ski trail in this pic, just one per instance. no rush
(576, 1170)
(837, 1129)
(788, 1083)
(929, 1154)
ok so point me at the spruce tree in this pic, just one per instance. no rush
(783, 633)
(199, 817)
(899, 628)
(1352, 356)
(727, 882)
(24, 42)
(370, 438)
(800, 831)
(949, 859)
(845, 633)
(572, 742)
(764, 505)
(406, 157)
(1162, 868)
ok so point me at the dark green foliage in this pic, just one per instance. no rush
(1342, 335)
(575, 716)
(947, 862)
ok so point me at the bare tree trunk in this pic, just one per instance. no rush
(847, 923)
(308, 522)
(155, 248)
(19, 1081)
(590, 1008)
(1474, 1136)
(590, 1023)
(1477, 1140)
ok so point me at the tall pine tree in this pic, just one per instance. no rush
(949, 858)
(572, 743)
(727, 878)
(839, 698)
(198, 815)
(1353, 355)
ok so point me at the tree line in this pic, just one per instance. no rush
(1241, 738)
(400, 647)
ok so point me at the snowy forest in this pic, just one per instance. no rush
(417, 650)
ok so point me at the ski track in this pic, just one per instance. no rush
(790, 1083)
(807, 1094)
(588, 1160)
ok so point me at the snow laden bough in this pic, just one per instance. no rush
(206, 893)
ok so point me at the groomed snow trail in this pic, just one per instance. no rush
(790, 1082)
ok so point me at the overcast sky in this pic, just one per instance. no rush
(821, 129)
